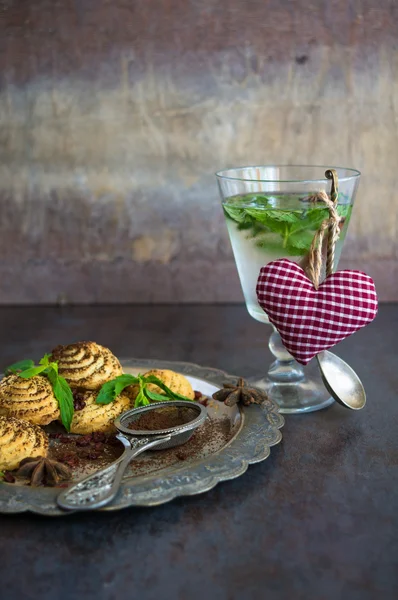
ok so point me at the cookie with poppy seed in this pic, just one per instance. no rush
(86, 365)
(19, 440)
(98, 417)
(31, 399)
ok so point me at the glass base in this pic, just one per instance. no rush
(307, 395)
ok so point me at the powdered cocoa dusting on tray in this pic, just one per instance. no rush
(209, 438)
(86, 454)
(82, 453)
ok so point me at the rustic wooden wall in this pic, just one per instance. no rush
(115, 114)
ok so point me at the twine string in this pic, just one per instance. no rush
(329, 227)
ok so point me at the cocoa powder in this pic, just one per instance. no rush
(83, 452)
(163, 418)
(207, 439)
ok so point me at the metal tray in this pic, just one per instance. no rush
(156, 477)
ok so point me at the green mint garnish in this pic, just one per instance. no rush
(32, 372)
(112, 389)
(169, 393)
(289, 232)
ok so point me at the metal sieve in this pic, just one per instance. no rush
(100, 488)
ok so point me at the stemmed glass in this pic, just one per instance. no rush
(270, 214)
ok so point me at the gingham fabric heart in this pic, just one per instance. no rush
(311, 320)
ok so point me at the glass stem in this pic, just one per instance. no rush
(284, 369)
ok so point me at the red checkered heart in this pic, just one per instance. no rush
(311, 320)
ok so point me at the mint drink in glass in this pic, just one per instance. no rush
(270, 214)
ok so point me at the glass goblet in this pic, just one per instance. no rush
(270, 215)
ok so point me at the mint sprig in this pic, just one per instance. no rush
(113, 388)
(289, 232)
(60, 386)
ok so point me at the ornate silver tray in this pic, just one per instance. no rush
(156, 478)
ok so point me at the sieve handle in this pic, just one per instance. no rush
(100, 488)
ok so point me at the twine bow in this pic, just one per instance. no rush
(331, 227)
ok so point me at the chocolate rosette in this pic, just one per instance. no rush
(19, 440)
(86, 365)
(30, 399)
(97, 417)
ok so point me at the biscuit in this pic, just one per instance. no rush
(18, 440)
(86, 365)
(98, 417)
(31, 399)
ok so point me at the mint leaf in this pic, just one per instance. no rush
(64, 396)
(19, 366)
(277, 221)
(248, 222)
(310, 220)
(314, 217)
(254, 197)
(32, 372)
(45, 360)
(141, 399)
(287, 216)
(169, 393)
(123, 381)
(53, 366)
(256, 229)
(301, 240)
(111, 389)
(154, 396)
(271, 215)
(234, 213)
(107, 393)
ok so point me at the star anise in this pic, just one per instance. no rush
(43, 471)
(233, 394)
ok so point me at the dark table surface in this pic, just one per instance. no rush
(317, 520)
